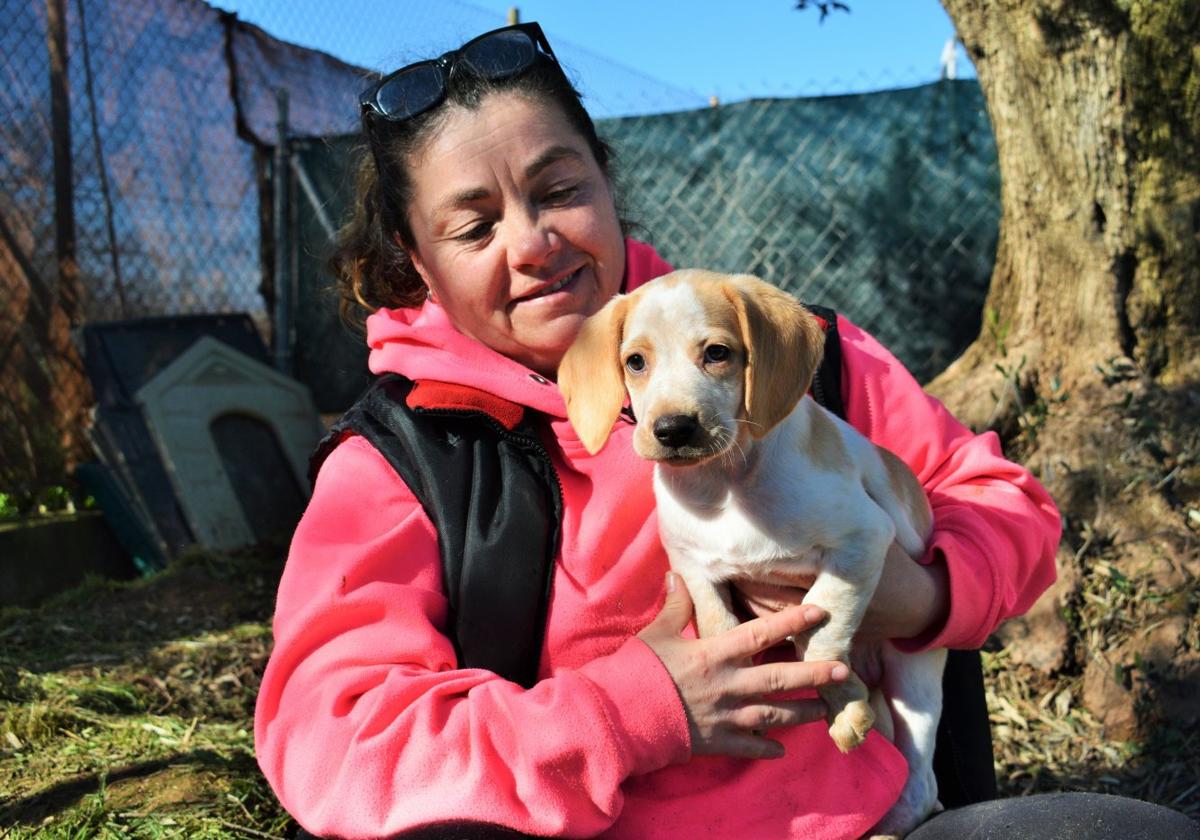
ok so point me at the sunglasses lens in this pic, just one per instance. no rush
(410, 92)
(500, 55)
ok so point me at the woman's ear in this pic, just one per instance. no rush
(417, 264)
(413, 257)
(591, 378)
(784, 344)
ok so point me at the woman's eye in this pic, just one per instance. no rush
(561, 195)
(716, 353)
(475, 232)
(636, 363)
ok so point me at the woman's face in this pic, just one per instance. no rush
(514, 228)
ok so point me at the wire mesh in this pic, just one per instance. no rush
(148, 191)
(42, 390)
(143, 196)
(883, 206)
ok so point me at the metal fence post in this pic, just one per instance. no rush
(281, 334)
(67, 293)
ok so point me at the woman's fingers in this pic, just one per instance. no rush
(760, 717)
(757, 635)
(783, 677)
(726, 697)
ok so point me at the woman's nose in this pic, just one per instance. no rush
(532, 241)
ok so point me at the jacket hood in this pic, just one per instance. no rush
(421, 343)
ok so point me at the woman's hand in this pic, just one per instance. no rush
(911, 600)
(727, 700)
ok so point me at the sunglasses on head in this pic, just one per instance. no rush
(493, 56)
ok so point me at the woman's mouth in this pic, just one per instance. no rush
(557, 286)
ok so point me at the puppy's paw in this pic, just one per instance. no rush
(851, 725)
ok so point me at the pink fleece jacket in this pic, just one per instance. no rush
(366, 727)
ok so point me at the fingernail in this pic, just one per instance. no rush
(670, 582)
(813, 614)
(839, 672)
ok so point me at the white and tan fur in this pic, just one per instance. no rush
(768, 485)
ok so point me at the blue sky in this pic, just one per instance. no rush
(639, 56)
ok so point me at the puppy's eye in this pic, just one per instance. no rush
(716, 353)
(636, 363)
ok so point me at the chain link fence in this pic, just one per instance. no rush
(136, 180)
(120, 196)
(882, 205)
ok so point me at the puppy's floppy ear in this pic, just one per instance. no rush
(784, 343)
(591, 378)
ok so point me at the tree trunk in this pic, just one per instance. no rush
(1096, 111)
(1088, 360)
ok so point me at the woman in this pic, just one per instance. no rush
(485, 233)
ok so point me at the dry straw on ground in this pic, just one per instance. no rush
(126, 709)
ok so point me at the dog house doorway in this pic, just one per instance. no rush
(234, 436)
(266, 489)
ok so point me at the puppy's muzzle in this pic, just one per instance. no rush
(676, 430)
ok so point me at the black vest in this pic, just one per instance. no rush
(495, 500)
(487, 484)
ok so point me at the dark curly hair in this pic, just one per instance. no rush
(371, 268)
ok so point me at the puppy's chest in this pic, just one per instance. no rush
(739, 538)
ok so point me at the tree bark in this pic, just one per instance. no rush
(1096, 107)
(1088, 359)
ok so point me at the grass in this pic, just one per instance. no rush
(1045, 740)
(126, 711)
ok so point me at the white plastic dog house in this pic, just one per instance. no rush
(235, 436)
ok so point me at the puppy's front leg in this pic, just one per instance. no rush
(712, 602)
(843, 589)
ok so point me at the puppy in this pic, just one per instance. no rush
(754, 480)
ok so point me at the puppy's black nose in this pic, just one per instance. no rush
(676, 429)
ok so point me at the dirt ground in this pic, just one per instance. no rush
(126, 711)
